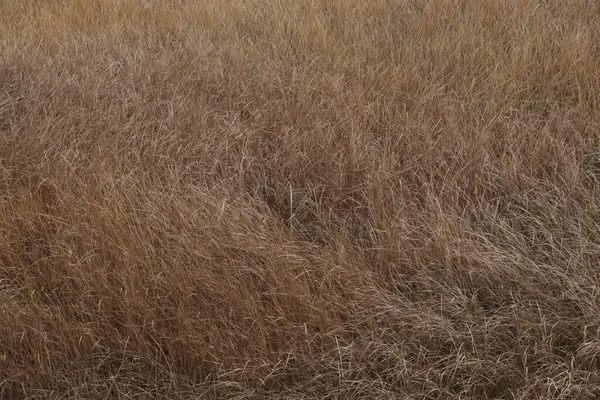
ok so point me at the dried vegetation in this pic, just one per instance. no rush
(300, 199)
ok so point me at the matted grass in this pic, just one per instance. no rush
(300, 199)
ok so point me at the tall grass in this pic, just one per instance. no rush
(294, 199)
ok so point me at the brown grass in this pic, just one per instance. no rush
(300, 199)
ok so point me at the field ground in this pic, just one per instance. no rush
(300, 199)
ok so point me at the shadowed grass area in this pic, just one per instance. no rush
(325, 199)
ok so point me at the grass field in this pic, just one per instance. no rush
(246, 199)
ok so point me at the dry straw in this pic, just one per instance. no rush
(292, 199)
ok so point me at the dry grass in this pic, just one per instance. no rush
(300, 199)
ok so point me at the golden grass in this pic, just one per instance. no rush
(300, 199)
